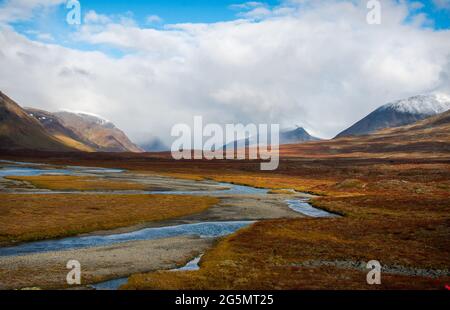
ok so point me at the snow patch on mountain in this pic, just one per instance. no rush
(430, 104)
(91, 117)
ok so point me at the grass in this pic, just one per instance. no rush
(76, 183)
(397, 216)
(281, 191)
(36, 217)
(396, 210)
(268, 255)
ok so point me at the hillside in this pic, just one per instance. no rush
(101, 134)
(399, 113)
(18, 130)
(430, 137)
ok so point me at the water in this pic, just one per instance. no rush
(109, 285)
(191, 266)
(117, 283)
(28, 172)
(20, 170)
(231, 189)
(302, 206)
(203, 230)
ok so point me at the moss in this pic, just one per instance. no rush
(35, 217)
(76, 183)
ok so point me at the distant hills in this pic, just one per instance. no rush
(62, 131)
(154, 145)
(430, 136)
(418, 118)
(298, 135)
(399, 113)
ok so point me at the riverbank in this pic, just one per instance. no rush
(394, 210)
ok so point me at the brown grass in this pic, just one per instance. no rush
(268, 255)
(35, 217)
(76, 183)
(396, 211)
(399, 216)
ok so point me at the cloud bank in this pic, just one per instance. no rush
(317, 64)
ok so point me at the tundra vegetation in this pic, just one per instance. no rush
(393, 198)
(28, 217)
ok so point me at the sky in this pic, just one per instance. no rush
(147, 65)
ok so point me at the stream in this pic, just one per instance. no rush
(205, 229)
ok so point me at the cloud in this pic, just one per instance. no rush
(318, 65)
(91, 17)
(19, 10)
(252, 10)
(154, 19)
(246, 5)
(442, 4)
(45, 37)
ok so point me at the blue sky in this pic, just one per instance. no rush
(169, 11)
(440, 17)
(179, 11)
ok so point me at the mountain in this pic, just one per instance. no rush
(154, 145)
(427, 137)
(34, 129)
(96, 132)
(399, 113)
(298, 135)
(53, 126)
(18, 130)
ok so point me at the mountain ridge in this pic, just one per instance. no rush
(399, 113)
(36, 129)
(18, 130)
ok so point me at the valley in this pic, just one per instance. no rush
(131, 218)
(391, 209)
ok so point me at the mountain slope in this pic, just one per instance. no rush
(18, 130)
(95, 131)
(53, 126)
(297, 135)
(154, 145)
(399, 113)
(429, 137)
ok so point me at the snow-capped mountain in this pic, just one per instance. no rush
(399, 113)
(422, 104)
(89, 117)
(98, 131)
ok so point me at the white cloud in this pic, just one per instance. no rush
(321, 66)
(154, 19)
(252, 10)
(92, 17)
(17, 10)
(246, 5)
(45, 37)
(442, 4)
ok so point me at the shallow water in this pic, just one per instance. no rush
(117, 283)
(28, 172)
(302, 206)
(202, 230)
(109, 285)
(19, 169)
(191, 265)
(230, 189)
